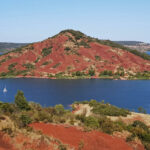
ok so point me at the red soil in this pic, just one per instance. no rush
(5, 142)
(22, 142)
(72, 136)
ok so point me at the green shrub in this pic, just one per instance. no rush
(25, 120)
(106, 72)
(18, 50)
(130, 138)
(3, 60)
(46, 51)
(139, 129)
(45, 63)
(91, 72)
(6, 108)
(37, 60)
(78, 73)
(21, 102)
(81, 118)
(107, 109)
(81, 145)
(98, 58)
(140, 124)
(11, 66)
(67, 49)
(59, 109)
(62, 147)
(142, 110)
(29, 66)
(7, 130)
(44, 116)
(77, 34)
(56, 65)
(3, 74)
(91, 122)
(85, 44)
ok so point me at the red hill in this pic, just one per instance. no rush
(71, 53)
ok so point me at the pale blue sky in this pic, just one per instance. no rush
(35, 20)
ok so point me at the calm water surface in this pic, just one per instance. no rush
(126, 94)
(148, 52)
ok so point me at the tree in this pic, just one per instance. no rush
(142, 110)
(25, 120)
(91, 72)
(21, 102)
(59, 109)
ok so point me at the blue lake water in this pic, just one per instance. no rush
(148, 52)
(127, 94)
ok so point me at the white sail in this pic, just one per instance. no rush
(5, 90)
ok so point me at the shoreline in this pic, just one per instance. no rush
(69, 78)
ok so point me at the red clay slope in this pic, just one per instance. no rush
(5, 143)
(69, 54)
(93, 140)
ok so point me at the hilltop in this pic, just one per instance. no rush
(72, 54)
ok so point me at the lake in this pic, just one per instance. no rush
(129, 94)
(148, 52)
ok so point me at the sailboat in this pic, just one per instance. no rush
(4, 90)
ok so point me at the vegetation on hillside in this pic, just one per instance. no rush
(78, 35)
(22, 113)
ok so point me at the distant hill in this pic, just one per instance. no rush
(138, 45)
(5, 47)
(73, 54)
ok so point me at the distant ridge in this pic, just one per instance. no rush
(6, 46)
(138, 45)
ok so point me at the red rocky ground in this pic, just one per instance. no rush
(76, 138)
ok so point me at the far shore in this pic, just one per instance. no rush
(70, 78)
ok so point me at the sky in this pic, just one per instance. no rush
(36, 20)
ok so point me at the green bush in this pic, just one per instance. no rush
(91, 122)
(77, 34)
(46, 51)
(106, 125)
(98, 58)
(56, 65)
(3, 74)
(62, 147)
(67, 49)
(81, 118)
(6, 108)
(29, 66)
(7, 130)
(142, 110)
(59, 109)
(25, 120)
(140, 124)
(37, 60)
(21, 102)
(11, 66)
(78, 73)
(85, 44)
(45, 63)
(107, 109)
(44, 116)
(91, 72)
(106, 72)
